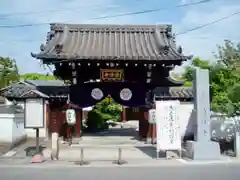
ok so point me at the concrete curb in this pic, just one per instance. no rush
(18, 163)
(44, 165)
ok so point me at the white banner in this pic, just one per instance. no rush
(168, 125)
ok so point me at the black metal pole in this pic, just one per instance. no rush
(81, 157)
(119, 155)
(37, 141)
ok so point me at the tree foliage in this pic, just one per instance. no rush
(100, 115)
(224, 78)
(37, 76)
(229, 55)
(8, 71)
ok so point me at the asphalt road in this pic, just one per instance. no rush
(194, 172)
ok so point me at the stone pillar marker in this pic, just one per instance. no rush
(202, 104)
(202, 148)
(237, 143)
(54, 137)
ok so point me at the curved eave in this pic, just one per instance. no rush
(174, 93)
(187, 99)
(34, 55)
(106, 58)
(174, 81)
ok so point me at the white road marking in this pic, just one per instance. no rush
(182, 161)
(192, 162)
(10, 153)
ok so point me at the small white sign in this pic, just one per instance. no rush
(71, 116)
(168, 126)
(126, 94)
(152, 116)
(97, 93)
(34, 113)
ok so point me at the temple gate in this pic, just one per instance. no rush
(130, 63)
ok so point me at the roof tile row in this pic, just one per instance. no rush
(110, 42)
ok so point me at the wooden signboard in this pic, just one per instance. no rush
(34, 113)
(112, 74)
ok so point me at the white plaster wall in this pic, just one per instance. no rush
(187, 120)
(12, 128)
(29, 132)
(18, 130)
(6, 128)
(32, 133)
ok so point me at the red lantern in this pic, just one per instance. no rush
(109, 99)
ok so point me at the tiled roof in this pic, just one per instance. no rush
(32, 90)
(34, 94)
(55, 91)
(16, 90)
(110, 42)
(173, 93)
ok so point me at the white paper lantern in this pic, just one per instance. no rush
(71, 116)
(126, 94)
(97, 93)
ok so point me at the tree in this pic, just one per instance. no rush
(102, 112)
(224, 78)
(196, 62)
(229, 55)
(37, 76)
(8, 71)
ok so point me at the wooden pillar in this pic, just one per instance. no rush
(48, 120)
(74, 82)
(54, 120)
(143, 123)
(149, 134)
(154, 133)
(78, 126)
(124, 115)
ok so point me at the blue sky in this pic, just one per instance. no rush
(18, 43)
